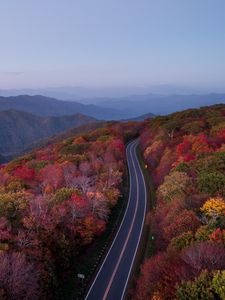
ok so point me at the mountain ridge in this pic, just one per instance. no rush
(46, 106)
(18, 129)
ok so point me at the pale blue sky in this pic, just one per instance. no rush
(112, 43)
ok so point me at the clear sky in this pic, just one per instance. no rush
(111, 43)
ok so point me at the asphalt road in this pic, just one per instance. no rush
(112, 278)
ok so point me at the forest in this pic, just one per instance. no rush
(56, 201)
(185, 155)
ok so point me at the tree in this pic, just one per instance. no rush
(69, 172)
(5, 230)
(13, 205)
(78, 207)
(213, 208)
(39, 216)
(218, 283)
(62, 195)
(200, 144)
(218, 236)
(208, 285)
(98, 204)
(181, 241)
(51, 176)
(175, 185)
(85, 168)
(151, 272)
(204, 255)
(153, 153)
(201, 288)
(184, 148)
(164, 166)
(90, 227)
(211, 183)
(203, 233)
(184, 222)
(84, 183)
(3, 177)
(24, 173)
(18, 278)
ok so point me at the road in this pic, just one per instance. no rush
(112, 278)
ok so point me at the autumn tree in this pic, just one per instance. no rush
(18, 278)
(211, 183)
(175, 185)
(213, 208)
(184, 222)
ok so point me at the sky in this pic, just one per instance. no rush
(54, 43)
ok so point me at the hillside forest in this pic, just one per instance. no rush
(185, 155)
(56, 201)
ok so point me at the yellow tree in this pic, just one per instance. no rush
(213, 208)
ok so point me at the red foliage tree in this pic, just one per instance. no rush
(5, 230)
(51, 176)
(18, 278)
(185, 221)
(204, 255)
(24, 173)
(151, 273)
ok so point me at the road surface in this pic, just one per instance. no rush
(112, 278)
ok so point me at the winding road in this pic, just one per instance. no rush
(112, 278)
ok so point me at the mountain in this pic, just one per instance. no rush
(140, 118)
(157, 103)
(2, 159)
(79, 92)
(45, 106)
(19, 129)
(71, 93)
(67, 134)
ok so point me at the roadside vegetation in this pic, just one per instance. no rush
(185, 155)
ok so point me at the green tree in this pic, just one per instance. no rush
(199, 289)
(211, 183)
(203, 233)
(218, 284)
(183, 240)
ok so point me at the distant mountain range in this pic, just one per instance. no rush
(139, 118)
(78, 92)
(45, 106)
(110, 108)
(19, 129)
(157, 104)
